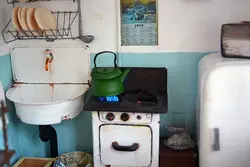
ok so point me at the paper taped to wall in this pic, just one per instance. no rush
(139, 22)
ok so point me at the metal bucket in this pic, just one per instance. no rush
(179, 138)
(72, 159)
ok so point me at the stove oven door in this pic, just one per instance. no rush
(125, 145)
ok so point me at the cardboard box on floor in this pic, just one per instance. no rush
(32, 162)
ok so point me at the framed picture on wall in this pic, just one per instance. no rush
(139, 22)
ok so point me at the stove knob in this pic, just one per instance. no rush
(124, 117)
(110, 116)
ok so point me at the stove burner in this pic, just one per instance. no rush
(109, 99)
(144, 97)
(141, 97)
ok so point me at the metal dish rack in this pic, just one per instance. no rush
(17, 1)
(64, 32)
(28, 1)
(65, 21)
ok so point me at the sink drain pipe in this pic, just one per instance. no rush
(46, 133)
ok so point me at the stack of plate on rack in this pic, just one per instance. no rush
(33, 21)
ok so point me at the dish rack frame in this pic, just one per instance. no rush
(17, 1)
(28, 1)
(63, 32)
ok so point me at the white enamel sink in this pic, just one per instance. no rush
(44, 104)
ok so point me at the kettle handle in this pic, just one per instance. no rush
(115, 57)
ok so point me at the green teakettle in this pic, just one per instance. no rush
(107, 81)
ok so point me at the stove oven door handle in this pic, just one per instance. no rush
(131, 148)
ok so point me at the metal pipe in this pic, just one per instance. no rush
(46, 133)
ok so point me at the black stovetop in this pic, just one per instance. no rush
(145, 92)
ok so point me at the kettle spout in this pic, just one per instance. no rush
(124, 74)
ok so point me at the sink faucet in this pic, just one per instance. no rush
(48, 59)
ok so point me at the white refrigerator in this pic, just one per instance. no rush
(223, 112)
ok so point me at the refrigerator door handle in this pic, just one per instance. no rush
(216, 144)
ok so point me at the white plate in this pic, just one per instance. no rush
(45, 20)
(33, 26)
(23, 21)
(15, 20)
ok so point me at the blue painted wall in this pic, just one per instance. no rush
(6, 80)
(76, 134)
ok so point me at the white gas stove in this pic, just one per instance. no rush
(125, 139)
(126, 131)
